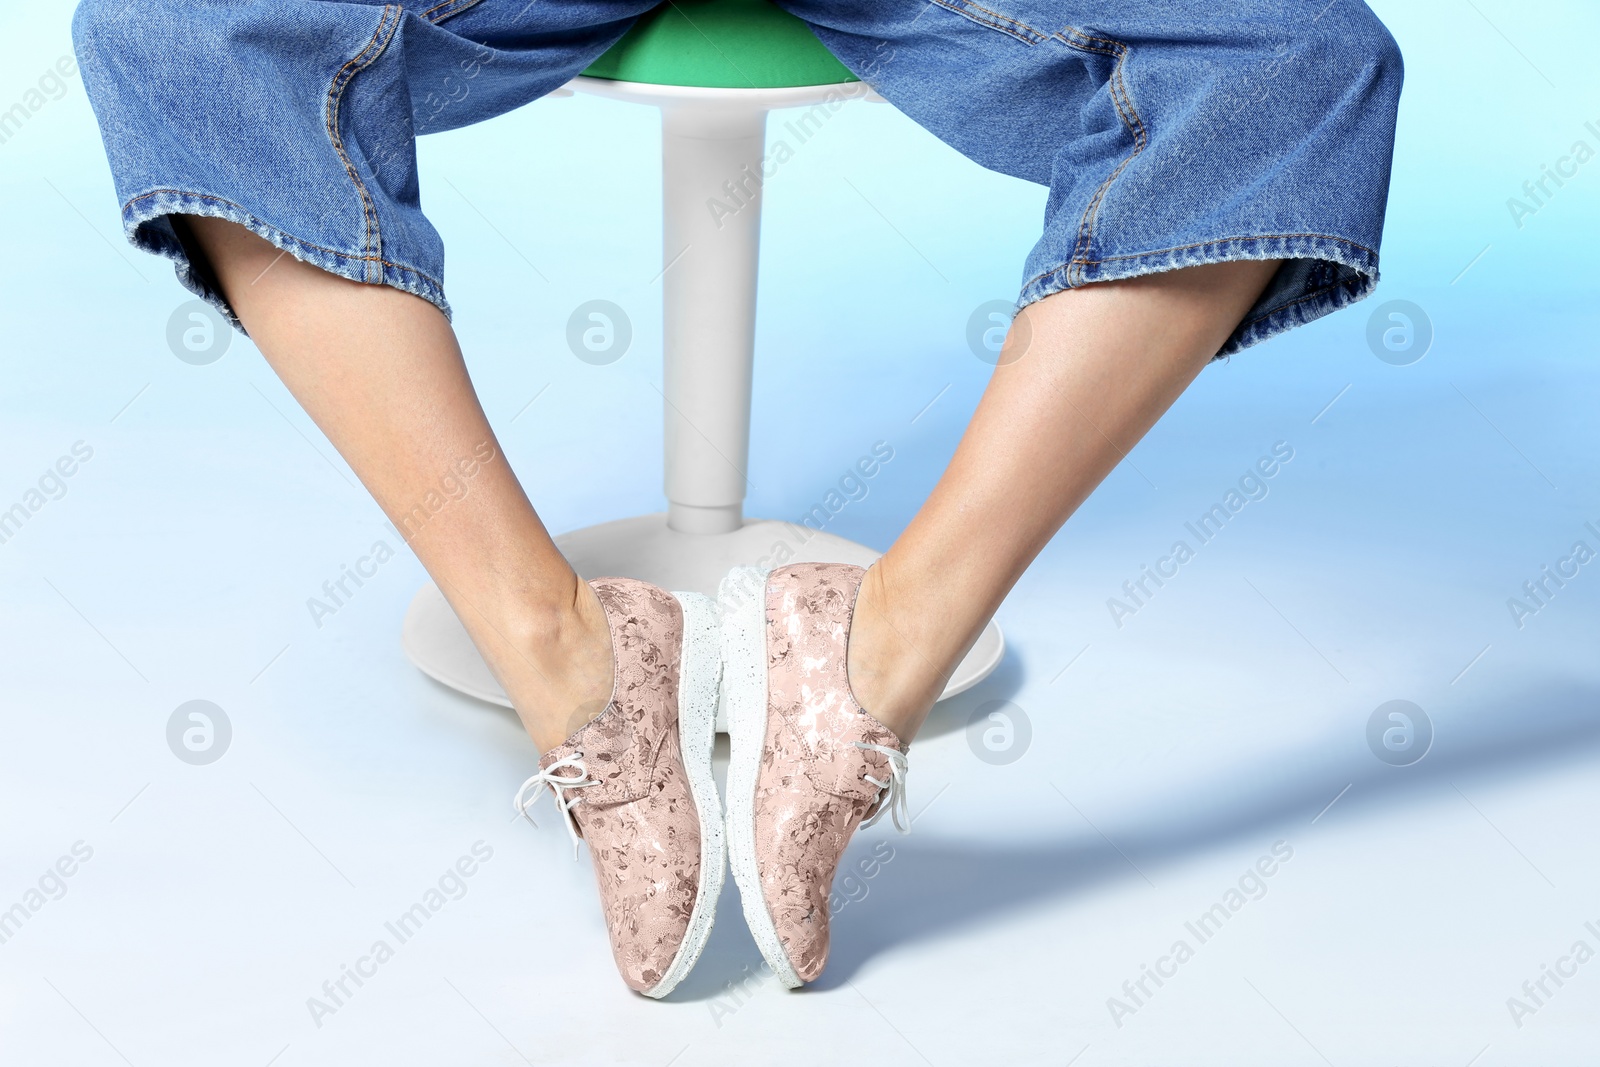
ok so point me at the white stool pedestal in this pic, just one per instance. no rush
(712, 146)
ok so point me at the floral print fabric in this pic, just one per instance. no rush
(812, 791)
(640, 821)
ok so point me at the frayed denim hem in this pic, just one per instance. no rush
(1321, 275)
(147, 226)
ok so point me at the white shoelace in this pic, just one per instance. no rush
(895, 803)
(558, 784)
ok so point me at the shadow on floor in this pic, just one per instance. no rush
(937, 885)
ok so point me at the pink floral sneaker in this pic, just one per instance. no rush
(635, 782)
(808, 765)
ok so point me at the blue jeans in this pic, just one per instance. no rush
(1170, 132)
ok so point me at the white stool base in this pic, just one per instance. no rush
(644, 547)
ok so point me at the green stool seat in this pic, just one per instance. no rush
(720, 44)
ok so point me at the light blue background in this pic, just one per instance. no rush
(1222, 717)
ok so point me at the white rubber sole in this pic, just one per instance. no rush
(742, 597)
(699, 680)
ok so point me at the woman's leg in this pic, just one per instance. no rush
(1243, 136)
(1084, 374)
(380, 372)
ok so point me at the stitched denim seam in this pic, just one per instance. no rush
(373, 239)
(1222, 240)
(456, 7)
(1117, 85)
(297, 240)
(1067, 266)
(994, 20)
(1112, 48)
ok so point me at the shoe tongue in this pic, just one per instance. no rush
(841, 767)
(619, 749)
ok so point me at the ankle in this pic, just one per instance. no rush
(890, 667)
(558, 670)
(547, 629)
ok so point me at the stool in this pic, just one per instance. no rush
(714, 68)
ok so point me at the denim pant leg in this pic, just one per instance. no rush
(298, 118)
(1171, 132)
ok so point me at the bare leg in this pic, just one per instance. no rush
(1101, 364)
(380, 372)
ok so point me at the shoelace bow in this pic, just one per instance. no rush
(895, 802)
(558, 784)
